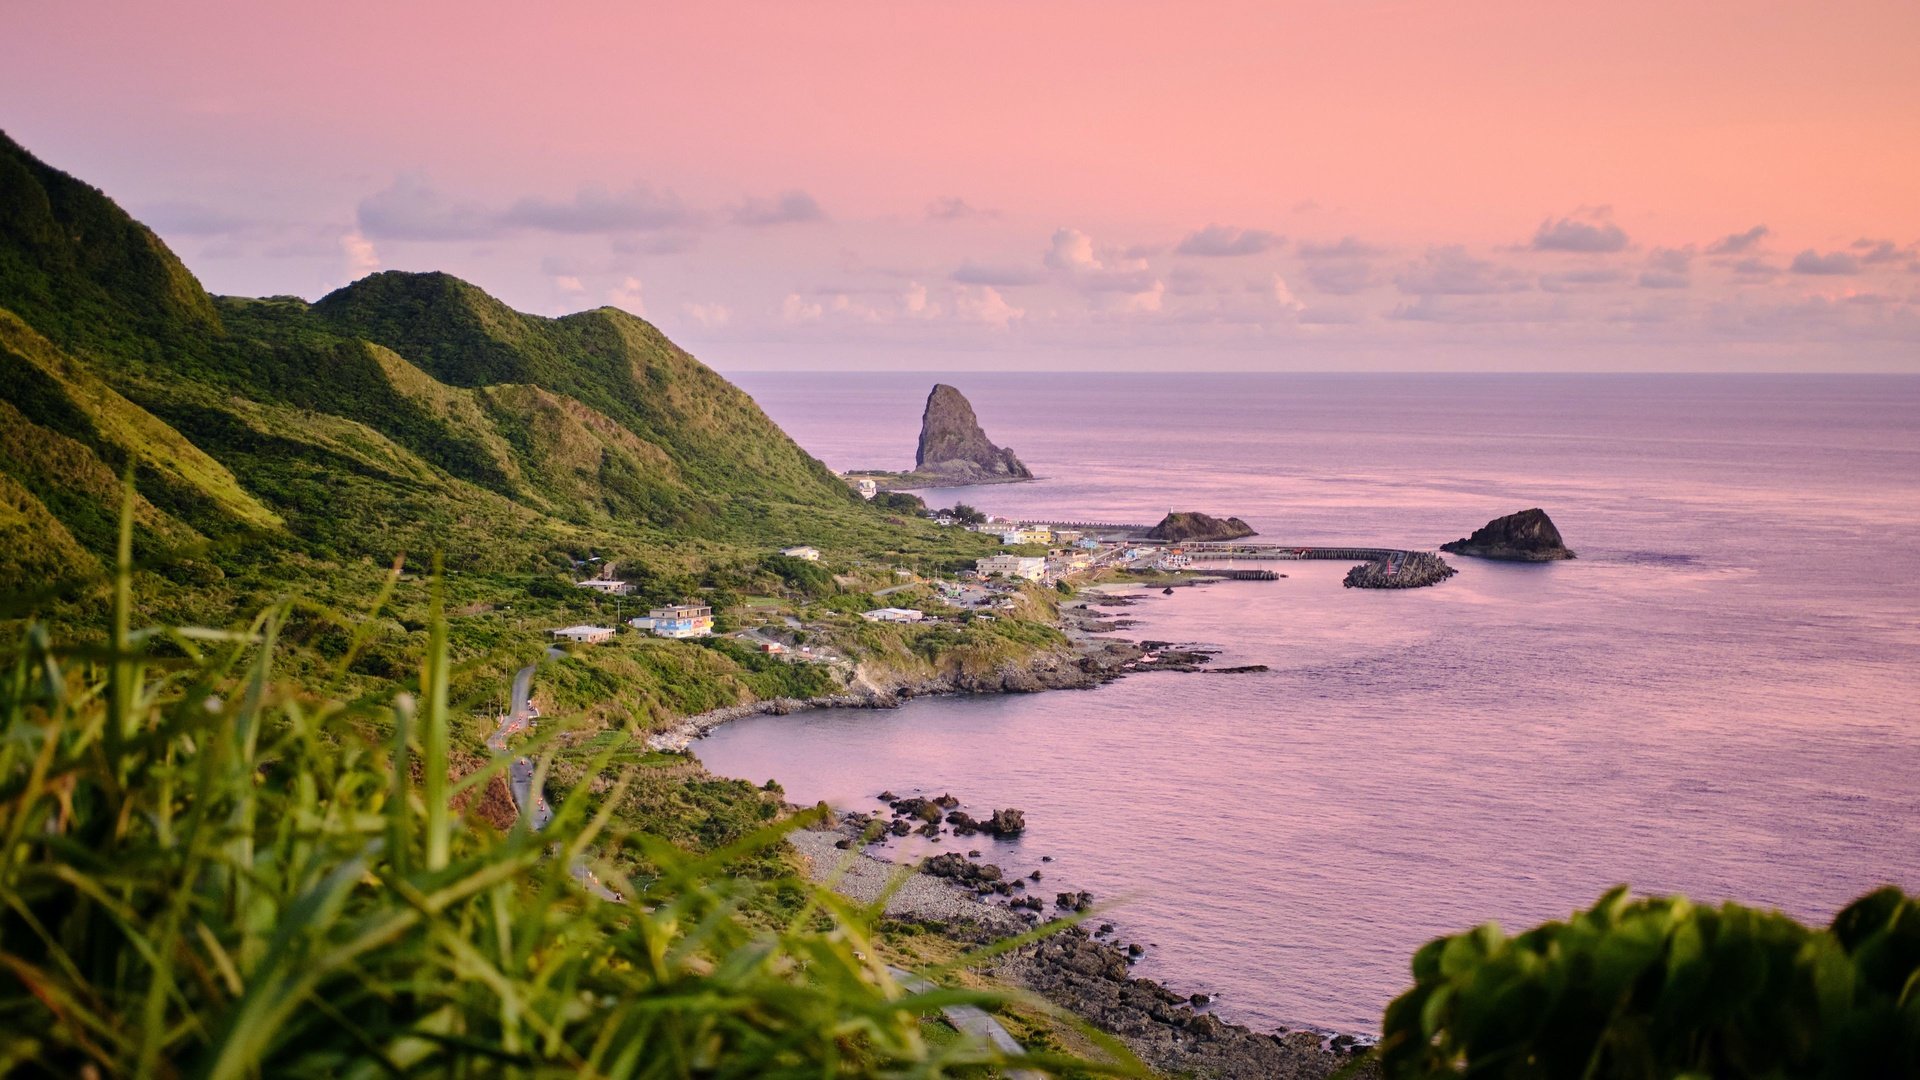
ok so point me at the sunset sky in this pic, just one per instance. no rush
(1327, 185)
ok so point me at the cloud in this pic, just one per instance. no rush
(1186, 281)
(1071, 249)
(797, 309)
(627, 297)
(1148, 298)
(1588, 280)
(1755, 268)
(408, 209)
(1664, 279)
(708, 315)
(1873, 252)
(1668, 268)
(192, 219)
(1450, 271)
(567, 283)
(1831, 264)
(362, 259)
(670, 242)
(1593, 235)
(1223, 240)
(1347, 247)
(1736, 243)
(597, 210)
(1284, 297)
(972, 273)
(955, 208)
(1340, 277)
(984, 304)
(1482, 309)
(787, 208)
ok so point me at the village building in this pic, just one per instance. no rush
(893, 614)
(868, 489)
(585, 635)
(804, 551)
(1040, 535)
(1029, 567)
(607, 586)
(677, 621)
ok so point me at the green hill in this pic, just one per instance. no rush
(402, 413)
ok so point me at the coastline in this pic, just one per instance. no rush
(1171, 1032)
(1090, 659)
(1083, 970)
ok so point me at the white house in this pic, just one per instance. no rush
(893, 614)
(1041, 535)
(609, 587)
(804, 551)
(1030, 567)
(868, 489)
(586, 635)
(678, 621)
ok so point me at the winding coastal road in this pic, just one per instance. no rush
(533, 806)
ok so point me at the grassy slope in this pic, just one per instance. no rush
(301, 448)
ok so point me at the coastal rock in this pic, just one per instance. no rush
(1191, 526)
(1005, 823)
(1092, 979)
(953, 445)
(1528, 536)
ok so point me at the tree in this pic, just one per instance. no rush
(966, 515)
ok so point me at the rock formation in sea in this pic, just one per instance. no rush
(953, 445)
(1528, 536)
(1189, 526)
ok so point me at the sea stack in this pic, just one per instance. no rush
(1528, 536)
(952, 444)
(1188, 526)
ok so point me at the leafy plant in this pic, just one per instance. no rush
(1663, 988)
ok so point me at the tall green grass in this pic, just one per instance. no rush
(207, 871)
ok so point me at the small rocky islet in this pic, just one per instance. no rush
(1528, 536)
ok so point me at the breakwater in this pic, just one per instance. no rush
(1400, 570)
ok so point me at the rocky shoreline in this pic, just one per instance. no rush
(1073, 967)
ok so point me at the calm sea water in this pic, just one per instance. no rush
(1720, 697)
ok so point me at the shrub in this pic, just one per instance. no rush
(1659, 988)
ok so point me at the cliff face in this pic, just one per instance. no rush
(1528, 536)
(1187, 525)
(952, 443)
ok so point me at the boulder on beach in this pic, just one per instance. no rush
(1191, 526)
(1528, 536)
(952, 443)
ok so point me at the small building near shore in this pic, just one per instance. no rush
(679, 621)
(804, 551)
(607, 586)
(585, 635)
(893, 614)
(1039, 535)
(1028, 567)
(867, 488)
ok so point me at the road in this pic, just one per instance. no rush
(972, 1021)
(534, 810)
(533, 805)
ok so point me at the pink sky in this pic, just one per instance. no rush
(1325, 185)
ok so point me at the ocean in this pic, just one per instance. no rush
(1720, 697)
